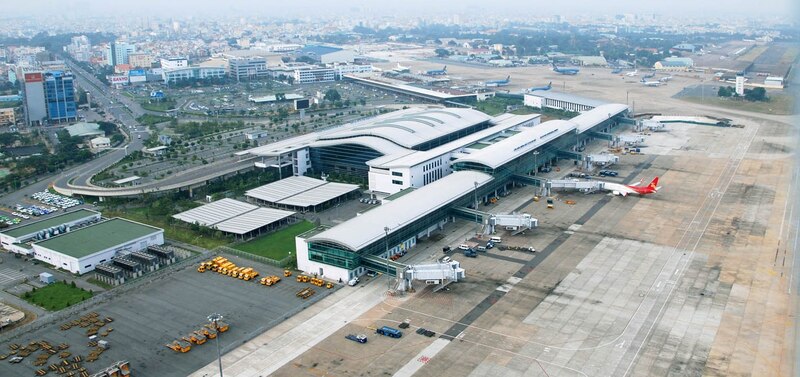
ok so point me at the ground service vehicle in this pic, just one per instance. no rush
(470, 253)
(389, 331)
(360, 338)
(287, 273)
(303, 279)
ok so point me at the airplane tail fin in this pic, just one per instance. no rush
(444, 69)
(508, 78)
(654, 184)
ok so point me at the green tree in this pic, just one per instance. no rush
(441, 52)
(756, 94)
(332, 95)
(724, 91)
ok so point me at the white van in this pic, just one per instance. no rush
(496, 240)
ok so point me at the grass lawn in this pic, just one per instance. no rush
(158, 106)
(779, 104)
(150, 119)
(276, 245)
(57, 296)
(174, 232)
(496, 105)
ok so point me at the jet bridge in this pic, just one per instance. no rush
(517, 222)
(439, 274)
(572, 184)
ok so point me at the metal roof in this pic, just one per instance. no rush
(411, 127)
(503, 151)
(215, 212)
(318, 195)
(383, 146)
(502, 122)
(591, 118)
(252, 220)
(367, 228)
(277, 191)
(98, 237)
(567, 97)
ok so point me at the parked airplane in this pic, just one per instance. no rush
(498, 82)
(649, 75)
(535, 88)
(650, 83)
(437, 72)
(624, 190)
(565, 71)
(616, 70)
(665, 78)
(400, 69)
(634, 73)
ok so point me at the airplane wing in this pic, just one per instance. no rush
(637, 183)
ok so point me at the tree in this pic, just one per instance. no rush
(332, 95)
(756, 94)
(442, 53)
(724, 91)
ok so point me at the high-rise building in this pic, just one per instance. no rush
(140, 60)
(248, 68)
(117, 53)
(59, 95)
(80, 48)
(33, 92)
(174, 63)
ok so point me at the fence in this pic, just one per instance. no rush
(256, 258)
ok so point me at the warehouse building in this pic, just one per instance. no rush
(14, 239)
(674, 64)
(79, 251)
(243, 220)
(303, 194)
(327, 54)
(560, 101)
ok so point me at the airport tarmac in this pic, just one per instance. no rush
(684, 282)
(148, 317)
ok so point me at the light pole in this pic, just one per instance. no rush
(386, 242)
(535, 162)
(215, 318)
(476, 208)
(626, 97)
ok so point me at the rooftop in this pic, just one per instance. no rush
(96, 238)
(61, 219)
(215, 212)
(361, 231)
(84, 129)
(276, 191)
(319, 195)
(567, 97)
(252, 220)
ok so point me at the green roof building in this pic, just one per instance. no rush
(81, 250)
(46, 228)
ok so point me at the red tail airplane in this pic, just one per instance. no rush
(624, 190)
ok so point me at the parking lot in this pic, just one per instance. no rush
(155, 314)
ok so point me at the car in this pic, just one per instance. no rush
(463, 246)
(446, 260)
(489, 245)
(353, 282)
(15, 359)
(470, 253)
(360, 338)
(371, 273)
(481, 248)
(446, 249)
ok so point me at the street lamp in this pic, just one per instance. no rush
(214, 318)
(476, 208)
(386, 242)
(535, 162)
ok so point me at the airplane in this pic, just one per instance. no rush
(650, 83)
(616, 70)
(437, 72)
(623, 190)
(565, 71)
(665, 78)
(498, 82)
(649, 75)
(535, 88)
(400, 69)
(634, 73)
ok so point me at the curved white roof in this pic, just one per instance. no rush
(591, 118)
(367, 228)
(411, 127)
(385, 147)
(503, 151)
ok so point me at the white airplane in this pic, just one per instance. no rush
(665, 78)
(400, 69)
(623, 190)
(634, 73)
(651, 83)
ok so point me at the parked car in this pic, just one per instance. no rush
(353, 282)
(446, 249)
(463, 246)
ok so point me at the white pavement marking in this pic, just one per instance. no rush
(268, 352)
(422, 358)
(8, 275)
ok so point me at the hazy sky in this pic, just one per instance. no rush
(183, 8)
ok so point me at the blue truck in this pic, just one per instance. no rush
(389, 331)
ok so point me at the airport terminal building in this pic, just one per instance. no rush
(366, 241)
